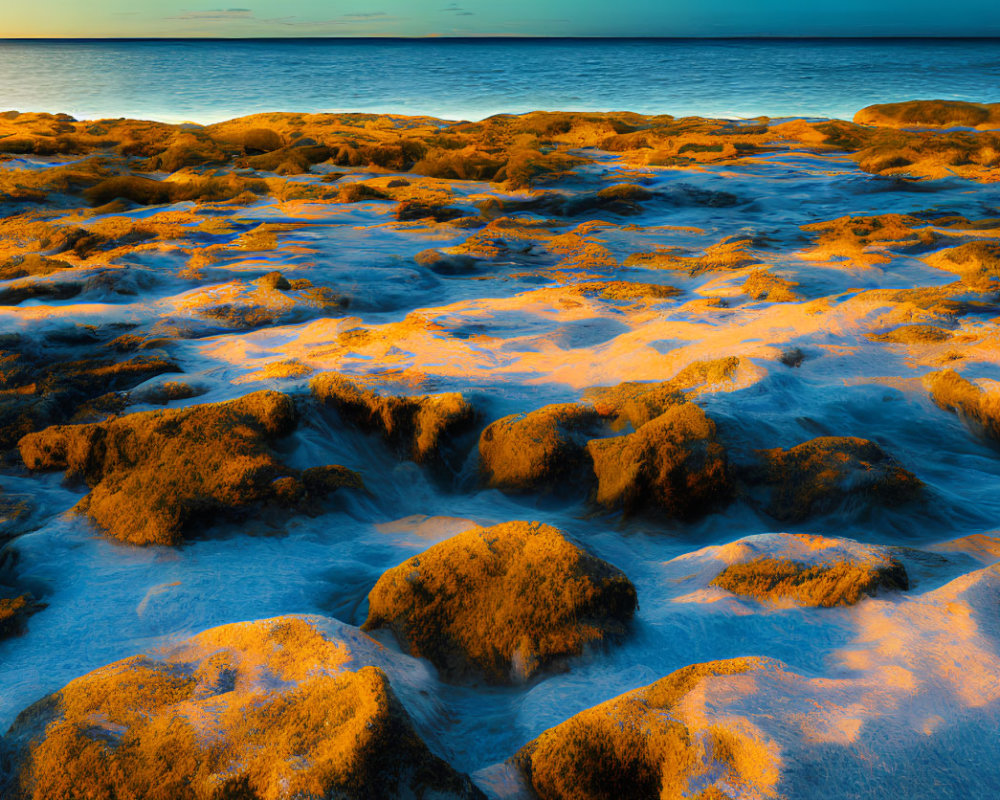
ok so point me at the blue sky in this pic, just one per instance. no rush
(501, 18)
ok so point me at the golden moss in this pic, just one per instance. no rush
(542, 450)
(831, 583)
(503, 602)
(420, 426)
(257, 711)
(671, 464)
(972, 260)
(626, 290)
(151, 474)
(817, 476)
(638, 746)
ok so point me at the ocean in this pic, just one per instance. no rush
(210, 80)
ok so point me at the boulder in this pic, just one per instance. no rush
(288, 707)
(154, 473)
(502, 602)
(823, 474)
(421, 426)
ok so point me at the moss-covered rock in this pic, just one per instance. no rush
(501, 602)
(289, 707)
(842, 582)
(421, 427)
(639, 745)
(979, 409)
(154, 473)
(821, 475)
(14, 611)
(930, 114)
(671, 464)
(543, 450)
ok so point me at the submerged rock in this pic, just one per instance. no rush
(642, 745)
(14, 611)
(288, 707)
(421, 426)
(153, 473)
(501, 602)
(818, 476)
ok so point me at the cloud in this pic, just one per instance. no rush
(217, 15)
(457, 10)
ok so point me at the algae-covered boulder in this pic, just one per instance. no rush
(153, 473)
(543, 450)
(268, 710)
(979, 409)
(809, 570)
(931, 114)
(818, 476)
(421, 426)
(672, 464)
(642, 746)
(501, 602)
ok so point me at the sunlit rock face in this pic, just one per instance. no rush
(289, 707)
(502, 603)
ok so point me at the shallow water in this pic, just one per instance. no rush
(209, 81)
(509, 351)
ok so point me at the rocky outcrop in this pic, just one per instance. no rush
(502, 603)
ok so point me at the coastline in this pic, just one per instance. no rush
(732, 385)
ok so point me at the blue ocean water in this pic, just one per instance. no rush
(210, 80)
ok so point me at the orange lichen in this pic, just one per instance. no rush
(503, 602)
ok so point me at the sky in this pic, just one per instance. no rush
(250, 18)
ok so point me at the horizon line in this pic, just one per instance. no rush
(512, 37)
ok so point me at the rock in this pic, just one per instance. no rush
(641, 745)
(980, 410)
(289, 707)
(274, 280)
(502, 602)
(671, 464)
(410, 210)
(422, 426)
(543, 450)
(766, 286)
(809, 570)
(154, 473)
(912, 334)
(820, 475)
(931, 114)
(446, 263)
(13, 613)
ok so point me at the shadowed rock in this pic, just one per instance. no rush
(639, 745)
(290, 707)
(13, 613)
(820, 475)
(672, 465)
(421, 426)
(501, 602)
(154, 473)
